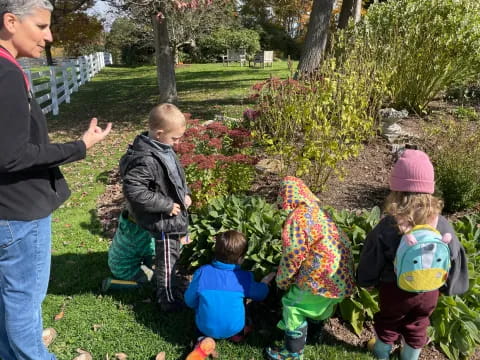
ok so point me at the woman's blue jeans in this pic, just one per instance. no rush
(25, 250)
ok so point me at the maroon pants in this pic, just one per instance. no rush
(404, 314)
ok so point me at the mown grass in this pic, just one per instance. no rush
(128, 322)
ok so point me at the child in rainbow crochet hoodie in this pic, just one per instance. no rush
(316, 267)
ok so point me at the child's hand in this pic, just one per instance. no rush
(184, 240)
(175, 210)
(268, 278)
(188, 201)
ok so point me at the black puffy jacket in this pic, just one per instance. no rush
(151, 188)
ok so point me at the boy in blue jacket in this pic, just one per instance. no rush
(218, 290)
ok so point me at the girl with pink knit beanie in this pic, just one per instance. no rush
(404, 315)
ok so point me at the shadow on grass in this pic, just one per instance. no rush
(124, 96)
(207, 109)
(74, 274)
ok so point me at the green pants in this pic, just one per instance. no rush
(299, 305)
(131, 247)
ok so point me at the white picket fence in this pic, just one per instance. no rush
(58, 82)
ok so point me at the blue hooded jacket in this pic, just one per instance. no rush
(217, 294)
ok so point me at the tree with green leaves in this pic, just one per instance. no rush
(130, 42)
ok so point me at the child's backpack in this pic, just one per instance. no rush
(422, 261)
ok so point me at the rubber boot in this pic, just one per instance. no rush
(409, 353)
(381, 350)
(295, 340)
(294, 343)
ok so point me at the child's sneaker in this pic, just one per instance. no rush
(203, 349)
(241, 335)
(147, 271)
(282, 354)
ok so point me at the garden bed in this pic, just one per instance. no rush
(364, 186)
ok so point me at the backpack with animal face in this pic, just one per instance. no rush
(422, 261)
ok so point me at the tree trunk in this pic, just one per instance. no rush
(317, 35)
(357, 11)
(167, 85)
(345, 13)
(48, 54)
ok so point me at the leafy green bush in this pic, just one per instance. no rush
(260, 221)
(455, 152)
(363, 304)
(274, 36)
(314, 124)
(424, 46)
(219, 41)
(467, 113)
(455, 327)
(456, 320)
(127, 43)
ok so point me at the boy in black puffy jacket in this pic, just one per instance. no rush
(158, 197)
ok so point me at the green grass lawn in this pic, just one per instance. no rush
(128, 322)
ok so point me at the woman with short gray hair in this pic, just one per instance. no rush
(25, 7)
(31, 184)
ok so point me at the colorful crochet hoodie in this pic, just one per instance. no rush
(316, 253)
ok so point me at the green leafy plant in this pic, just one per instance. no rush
(356, 225)
(455, 328)
(312, 125)
(455, 323)
(455, 152)
(424, 46)
(467, 113)
(363, 304)
(260, 221)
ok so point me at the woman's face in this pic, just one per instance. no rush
(32, 32)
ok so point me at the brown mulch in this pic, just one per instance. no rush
(365, 182)
(110, 203)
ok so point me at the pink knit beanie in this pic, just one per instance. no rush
(413, 172)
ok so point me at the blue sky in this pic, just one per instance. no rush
(105, 11)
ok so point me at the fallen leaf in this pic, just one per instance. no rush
(84, 355)
(59, 316)
(160, 356)
(121, 356)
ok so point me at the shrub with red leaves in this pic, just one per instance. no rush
(216, 160)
